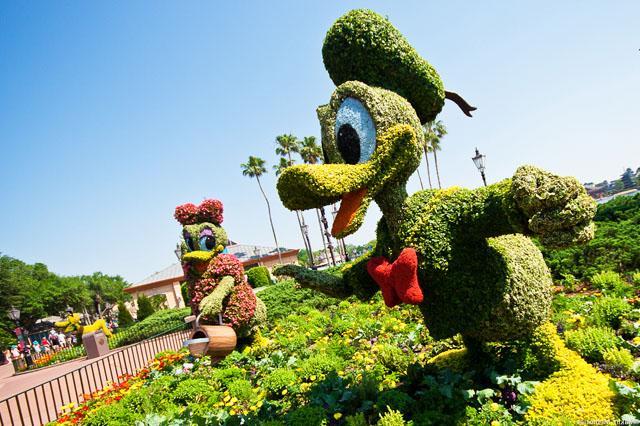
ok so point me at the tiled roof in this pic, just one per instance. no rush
(243, 252)
(173, 271)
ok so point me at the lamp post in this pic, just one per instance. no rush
(256, 252)
(478, 160)
(14, 315)
(178, 251)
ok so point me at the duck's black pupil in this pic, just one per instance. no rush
(209, 242)
(349, 144)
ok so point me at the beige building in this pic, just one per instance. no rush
(168, 280)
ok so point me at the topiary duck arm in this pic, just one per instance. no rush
(212, 304)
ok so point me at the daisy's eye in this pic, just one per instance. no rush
(355, 132)
(207, 242)
(188, 240)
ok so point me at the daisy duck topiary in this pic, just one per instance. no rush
(464, 256)
(216, 280)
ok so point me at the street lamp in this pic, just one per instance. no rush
(478, 160)
(256, 252)
(178, 251)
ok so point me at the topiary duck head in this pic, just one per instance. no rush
(371, 127)
(203, 237)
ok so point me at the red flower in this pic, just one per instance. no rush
(210, 211)
(186, 214)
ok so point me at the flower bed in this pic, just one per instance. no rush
(355, 363)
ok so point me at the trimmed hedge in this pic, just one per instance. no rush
(259, 276)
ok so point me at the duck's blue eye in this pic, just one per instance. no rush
(355, 132)
(207, 242)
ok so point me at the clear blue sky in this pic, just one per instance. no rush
(111, 114)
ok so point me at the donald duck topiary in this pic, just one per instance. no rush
(464, 256)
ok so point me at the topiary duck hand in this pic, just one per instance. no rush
(558, 209)
(328, 284)
(212, 304)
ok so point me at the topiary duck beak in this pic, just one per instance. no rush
(305, 186)
(198, 256)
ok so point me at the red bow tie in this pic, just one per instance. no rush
(398, 281)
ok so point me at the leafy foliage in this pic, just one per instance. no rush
(615, 247)
(145, 308)
(259, 276)
(124, 316)
(39, 293)
(592, 342)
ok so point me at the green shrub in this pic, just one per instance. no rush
(112, 414)
(286, 298)
(124, 316)
(241, 389)
(391, 418)
(278, 379)
(306, 416)
(608, 311)
(158, 302)
(611, 283)
(619, 358)
(356, 420)
(592, 342)
(320, 364)
(259, 277)
(145, 308)
(159, 322)
(393, 358)
(395, 400)
(191, 391)
(635, 278)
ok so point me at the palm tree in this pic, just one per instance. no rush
(426, 146)
(286, 145)
(311, 153)
(279, 168)
(255, 168)
(436, 131)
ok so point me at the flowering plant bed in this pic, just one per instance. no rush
(357, 363)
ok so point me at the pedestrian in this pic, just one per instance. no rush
(36, 347)
(46, 346)
(62, 340)
(15, 353)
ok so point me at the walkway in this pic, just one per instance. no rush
(36, 397)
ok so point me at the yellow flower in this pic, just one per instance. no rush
(494, 406)
(495, 423)
(226, 398)
(313, 378)
(337, 416)
(232, 412)
(284, 392)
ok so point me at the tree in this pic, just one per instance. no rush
(124, 316)
(436, 130)
(287, 145)
(254, 168)
(426, 146)
(145, 308)
(311, 153)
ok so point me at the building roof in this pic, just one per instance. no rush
(244, 253)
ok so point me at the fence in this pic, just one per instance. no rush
(40, 404)
(121, 338)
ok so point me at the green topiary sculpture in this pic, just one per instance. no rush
(464, 256)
